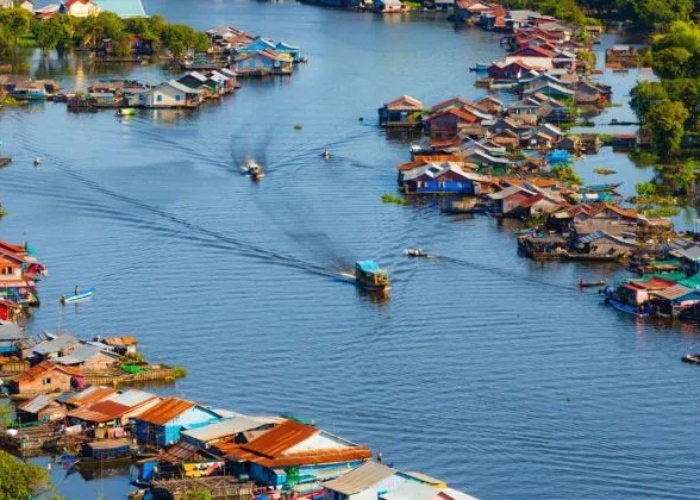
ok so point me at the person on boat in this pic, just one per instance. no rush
(62, 300)
(380, 457)
(77, 290)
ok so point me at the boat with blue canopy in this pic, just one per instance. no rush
(369, 275)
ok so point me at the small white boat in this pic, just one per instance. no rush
(326, 154)
(37, 161)
(77, 297)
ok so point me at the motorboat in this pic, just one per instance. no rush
(254, 170)
(414, 252)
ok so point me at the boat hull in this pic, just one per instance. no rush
(625, 308)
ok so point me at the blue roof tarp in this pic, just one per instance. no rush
(368, 265)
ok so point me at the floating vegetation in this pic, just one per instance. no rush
(604, 171)
(179, 372)
(390, 198)
(665, 211)
(298, 127)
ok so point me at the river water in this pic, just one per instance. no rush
(483, 368)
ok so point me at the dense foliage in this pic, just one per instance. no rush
(21, 480)
(566, 10)
(64, 31)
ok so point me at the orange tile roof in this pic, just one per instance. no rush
(166, 410)
(96, 394)
(620, 211)
(42, 369)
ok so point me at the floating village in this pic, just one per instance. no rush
(76, 399)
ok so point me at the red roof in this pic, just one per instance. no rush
(166, 410)
(462, 115)
(70, 3)
(527, 52)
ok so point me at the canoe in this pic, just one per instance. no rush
(85, 294)
(590, 284)
(126, 111)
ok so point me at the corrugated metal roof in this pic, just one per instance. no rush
(286, 435)
(57, 344)
(102, 411)
(360, 479)
(412, 491)
(90, 395)
(326, 456)
(230, 427)
(36, 404)
(131, 397)
(123, 8)
(82, 354)
(165, 411)
(674, 292)
(424, 478)
(11, 331)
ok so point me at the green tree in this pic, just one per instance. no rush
(48, 34)
(665, 122)
(644, 95)
(16, 22)
(21, 480)
(645, 188)
(671, 62)
(686, 90)
(655, 15)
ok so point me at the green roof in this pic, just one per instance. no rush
(692, 282)
(675, 276)
(123, 8)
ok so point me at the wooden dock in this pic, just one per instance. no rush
(163, 374)
(5, 161)
(218, 487)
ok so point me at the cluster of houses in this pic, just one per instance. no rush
(186, 441)
(189, 91)
(532, 123)
(45, 9)
(19, 273)
(668, 283)
(249, 55)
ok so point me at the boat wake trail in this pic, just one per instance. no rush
(194, 231)
(504, 273)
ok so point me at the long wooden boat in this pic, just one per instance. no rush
(601, 188)
(85, 294)
(369, 276)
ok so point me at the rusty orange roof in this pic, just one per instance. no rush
(281, 438)
(411, 165)
(104, 411)
(90, 396)
(120, 341)
(614, 208)
(323, 456)
(42, 369)
(166, 410)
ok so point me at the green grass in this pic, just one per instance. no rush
(179, 372)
